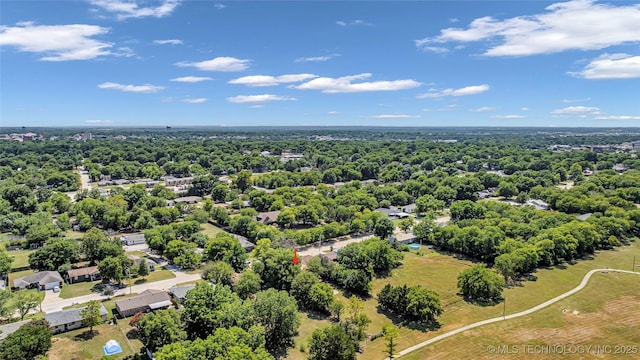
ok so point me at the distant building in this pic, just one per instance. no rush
(268, 217)
(187, 200)
(246, 244)
(174, 181)
(137, 260)
(538, 204)
(70, 319)
(133, 239)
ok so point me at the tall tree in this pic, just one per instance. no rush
(28, 342)
(160, 328)
(480, 283)
(27, 300)
(278, 313)
(390, 334)
(331, 343)
(91, 315)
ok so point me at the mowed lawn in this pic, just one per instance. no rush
(72, 345)
(439, 272)
(608, 314)
(20, 258)
(210, 230)
(86, 288)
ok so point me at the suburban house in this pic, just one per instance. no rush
(538, 204)
(268, 217)
(137, 259)
(246, 244)
(133, 239)
(174, 181)
(70, 319)
(180, 292)
(392, 213)
(43, 280)
(90, 273)
(147, 301)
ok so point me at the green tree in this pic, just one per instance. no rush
(91, 242)
(384, 228)
(218, 273)
(243, 180)
(226, 248)
(5, 262)
(480, 283)
(278, 313)
(331, 343)
(54, 254)
(26, 300)
(248, 284)
(91, 315)
(6, 303)
(160, 328)
(390, 334)
(114, 268)
(143, 268)
(28, 342)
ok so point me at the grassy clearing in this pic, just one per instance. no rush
(439, 272)
(210, 230)
(72, 345)
(75, 234)
(20, 258)
(608, 314)
(308, 323)
(157, 275)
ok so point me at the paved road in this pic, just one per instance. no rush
(52, 301)
(584, 282)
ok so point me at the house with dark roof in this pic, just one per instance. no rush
(70, 319)
(187, 200)
(148, 300)
(268, 217)
(180, 292)
(90, 273)
(246, 244)
(43, 280)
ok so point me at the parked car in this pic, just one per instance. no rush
(56, 289)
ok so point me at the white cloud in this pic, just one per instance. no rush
(333, 112)
(59, 42)
(483, 109)
(508, 117)
(316, 58)
(615, 66)
(168, 42)
(191, 79)
(241, 99)
(267, 80)
(344, 84)
(353, 22)
(219, 6)
(223, 63)
(97, 121)
(618, 117)
(579, 111)
(436, 49)
(394, 116)
(146, 88)
(125, 9)
(194, 101)
(256, 106)
(468, 90)
(524, 109)
(577, 24)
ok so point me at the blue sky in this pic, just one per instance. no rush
(418, 63)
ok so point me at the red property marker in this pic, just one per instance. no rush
(295, 257)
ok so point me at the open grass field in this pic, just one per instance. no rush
(20, 258)
(608, 314)
(73, 345)
(439, 272)
(86, 288)
(210, 230)
(308, 323)
(19, 274)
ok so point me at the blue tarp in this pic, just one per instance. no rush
(112, 347)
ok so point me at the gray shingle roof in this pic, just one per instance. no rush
(181, 291)
(68, 316)
(42, 278)
(145, 298)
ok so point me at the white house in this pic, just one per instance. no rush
(133, 239)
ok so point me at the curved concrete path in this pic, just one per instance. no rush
(584, 282)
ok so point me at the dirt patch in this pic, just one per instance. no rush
(625, 310)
